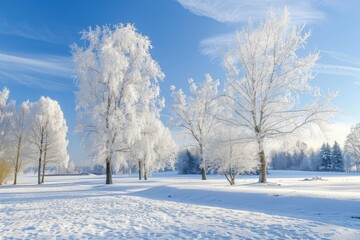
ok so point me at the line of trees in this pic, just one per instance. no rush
(327, 158)
(32, 134)
(259, 102)
(119, 105)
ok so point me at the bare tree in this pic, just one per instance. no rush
(266, 79)
(229, 156)
(197, 114)
(352, 149)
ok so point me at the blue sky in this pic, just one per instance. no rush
(35, 58)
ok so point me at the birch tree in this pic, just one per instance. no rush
(266, 78)
(117, 81)
(6, 112)
(352, 149)
(159, 148)
(156, 148)
(197, 114)
(48, 135)
(17, 153)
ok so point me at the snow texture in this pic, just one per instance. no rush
(171, 206)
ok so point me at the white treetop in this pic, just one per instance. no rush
(352, 148)
(48, 133)
(265, 79)
(6, 112)
(118, 81)
(156, 149)
(197, 114)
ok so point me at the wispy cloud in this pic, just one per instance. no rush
(237, 11)
(340, 70)
(342, 57)
(240, 11)
(38, 32)
(348, 66)
(46, 71)
(217, 46)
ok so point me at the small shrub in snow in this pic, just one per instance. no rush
(316, 178)
(5, 170)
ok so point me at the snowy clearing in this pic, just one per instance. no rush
(174, 206)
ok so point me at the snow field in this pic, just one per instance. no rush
(170, 206)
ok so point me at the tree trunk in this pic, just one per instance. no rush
(39, 168)
(44, 164)
(262, 174)
(16, 169)
(145, 172)
(202, 163)
(43, 172)
(230, 178)
(15, 177)
(203, 174)
(108, 172)
(139, 169)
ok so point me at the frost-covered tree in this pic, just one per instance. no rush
(118, 81)
(314, 160)
(17, 151)
(228, 156)
(70, 167)
(6, 112)
(197, 114)
(265, 79)
(279, 160)
(337, 161)
(325, 157)
(48, 131)
(352, 149)
(156, 148)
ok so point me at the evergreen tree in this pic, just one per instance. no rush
(337, 161)
(188, 162)
(325, 157)
(314, 160)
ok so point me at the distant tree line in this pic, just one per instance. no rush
(327, 158)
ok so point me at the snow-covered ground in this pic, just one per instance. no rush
(170, 206)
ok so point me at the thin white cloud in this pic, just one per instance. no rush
(336, 131)
(34, 32)
(217, 46)
(46, 71)
(237, 11)
(340, 70)
(240, 11)
(342, 57)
